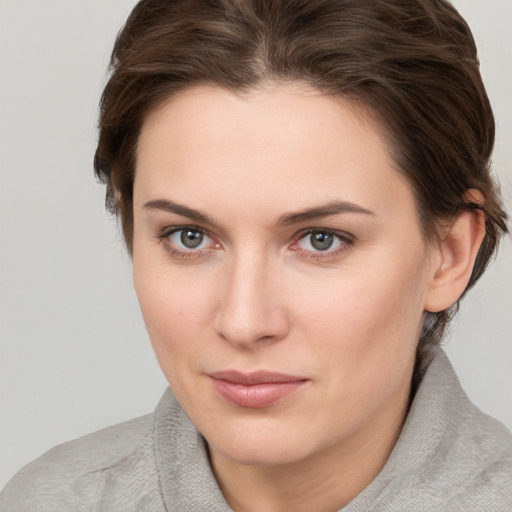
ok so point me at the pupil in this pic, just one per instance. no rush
(191, 239)
(321, 241)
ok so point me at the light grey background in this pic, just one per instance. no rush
(74, 354)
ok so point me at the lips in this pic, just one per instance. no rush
(255, 390)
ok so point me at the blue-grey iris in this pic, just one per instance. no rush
(321, 240)
(191, 239)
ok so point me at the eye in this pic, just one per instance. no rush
(322, 242)
(189, 239)
(187, 242)
(318, 241)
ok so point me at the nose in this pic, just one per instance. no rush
(251, 307)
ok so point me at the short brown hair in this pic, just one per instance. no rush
(413, 63)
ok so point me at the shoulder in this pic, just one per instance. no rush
(70, 476)
(449, 454)
(469, 463)
(473, 468)
(482, 463)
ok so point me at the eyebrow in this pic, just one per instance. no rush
(180, 209)
(309, 214)
(318, 212)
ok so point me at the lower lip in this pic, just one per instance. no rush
(255, 396)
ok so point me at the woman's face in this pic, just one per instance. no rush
(281, 270)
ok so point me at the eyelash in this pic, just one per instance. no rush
(165, 235)
(346, 242)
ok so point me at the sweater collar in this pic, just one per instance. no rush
(186, 478)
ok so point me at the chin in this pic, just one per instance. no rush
(263, 457)
(261, 449)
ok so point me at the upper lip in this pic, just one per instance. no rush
(258, 377)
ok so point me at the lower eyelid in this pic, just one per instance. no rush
(182, 253)
(328, 254)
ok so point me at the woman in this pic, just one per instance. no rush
(304, 188)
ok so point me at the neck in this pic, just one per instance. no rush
(325, 481)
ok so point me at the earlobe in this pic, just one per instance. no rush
(457, 252)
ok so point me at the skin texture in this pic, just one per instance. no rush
(257, 295)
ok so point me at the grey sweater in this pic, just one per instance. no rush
(449, 457)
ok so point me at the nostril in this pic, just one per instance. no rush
(251, 330)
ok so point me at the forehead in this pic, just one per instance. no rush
(276, 146)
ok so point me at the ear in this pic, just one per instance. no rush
(456, 255)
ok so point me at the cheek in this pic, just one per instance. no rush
(176, 307)
(174, 314)
(359, 305)
(367, 331)
(366, 325)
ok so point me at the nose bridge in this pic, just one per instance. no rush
(250, 308)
